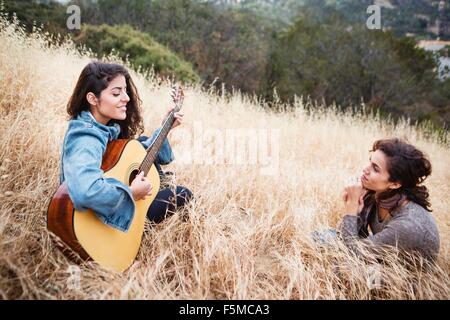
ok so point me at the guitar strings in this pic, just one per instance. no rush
(151, 154)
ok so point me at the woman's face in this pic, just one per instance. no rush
(375, 176)
(112, 103)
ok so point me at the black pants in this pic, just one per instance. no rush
(166, 202)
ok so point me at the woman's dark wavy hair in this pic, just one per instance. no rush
(408, 166)
(95, 78)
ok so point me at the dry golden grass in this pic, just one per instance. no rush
(248, 236)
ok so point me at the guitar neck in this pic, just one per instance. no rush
(154, 148)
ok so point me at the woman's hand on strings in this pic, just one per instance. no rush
(141, 187)
(178, 117)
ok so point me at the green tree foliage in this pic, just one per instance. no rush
(343, 63)
(317, 48)
(402, 17)
(227, 44)
(140, 48)
(50, 15)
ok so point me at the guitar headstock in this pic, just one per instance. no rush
(177, 96)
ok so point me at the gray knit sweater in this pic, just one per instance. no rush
(411, 228)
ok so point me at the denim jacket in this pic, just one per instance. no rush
(81, 158)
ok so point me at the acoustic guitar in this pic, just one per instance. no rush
(83, 232)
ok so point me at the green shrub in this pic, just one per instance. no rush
(139, 48)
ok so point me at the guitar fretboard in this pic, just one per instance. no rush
(153, 149)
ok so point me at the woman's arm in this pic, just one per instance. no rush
(353, 227)
(111, 200)
(165, 154)
(399, 232)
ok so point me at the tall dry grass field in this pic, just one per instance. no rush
(248, 236)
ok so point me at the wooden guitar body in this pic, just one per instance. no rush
(87, 235)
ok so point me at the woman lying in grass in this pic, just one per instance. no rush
(390, 200)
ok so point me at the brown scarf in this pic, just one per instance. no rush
(389, 203)
(392, 202)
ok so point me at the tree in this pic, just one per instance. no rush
(227, 44)
(347, 64)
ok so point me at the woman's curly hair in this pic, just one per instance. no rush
(95, 78)
(408, 166)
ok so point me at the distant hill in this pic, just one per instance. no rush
(405, 17)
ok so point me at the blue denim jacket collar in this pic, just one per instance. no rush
(113, 130)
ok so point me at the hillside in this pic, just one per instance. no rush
(140, 48)
(404, 17)
(243, 46)
(249, 230)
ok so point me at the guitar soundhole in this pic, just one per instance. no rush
(133, 175)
